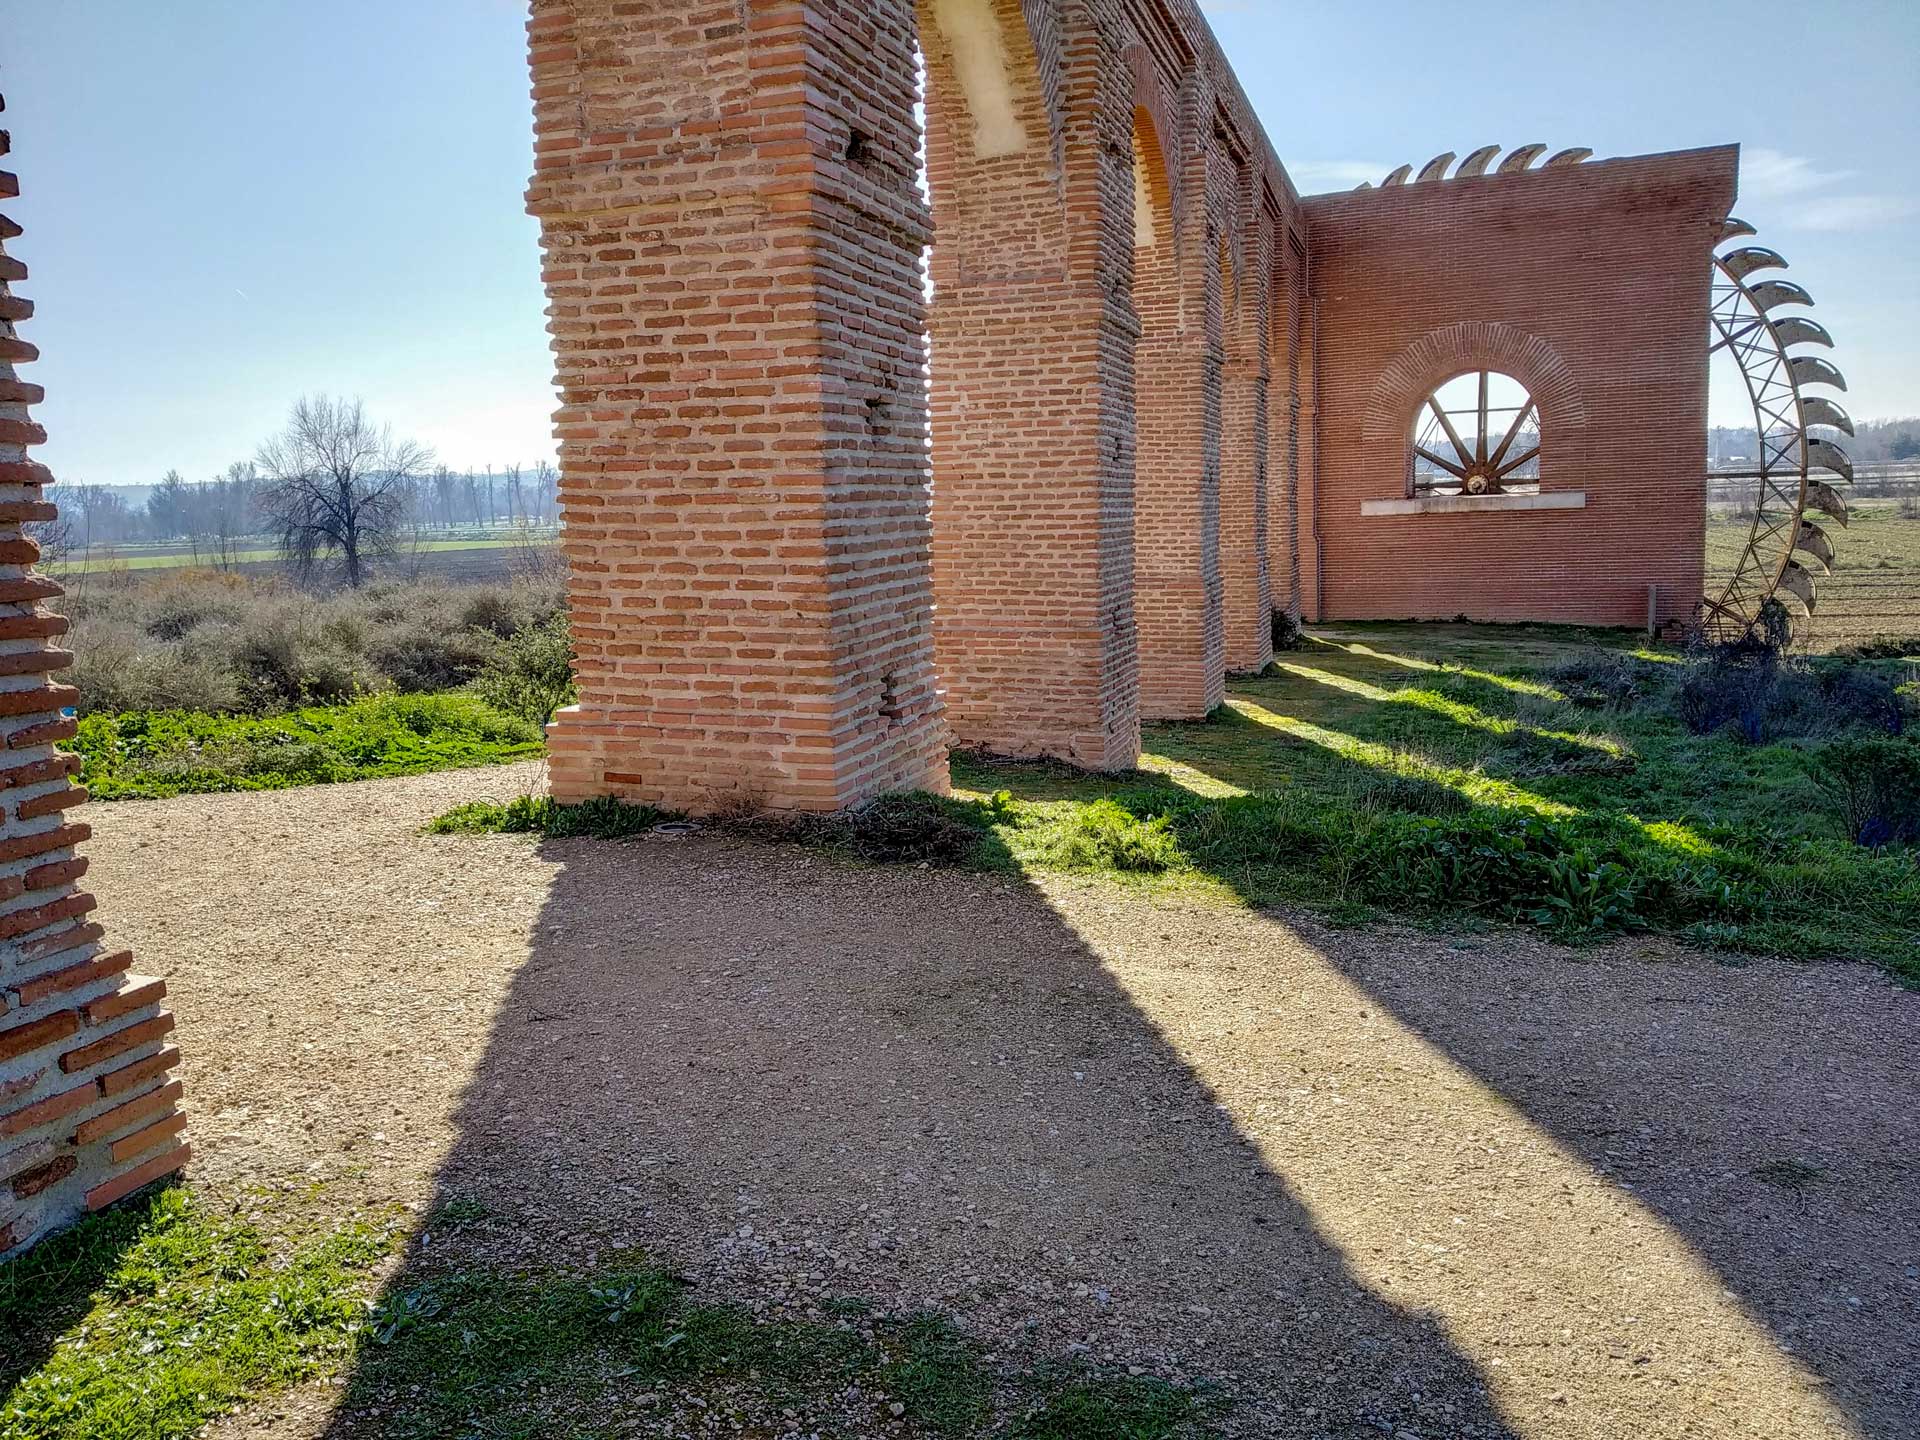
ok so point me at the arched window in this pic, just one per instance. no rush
(1478, 434)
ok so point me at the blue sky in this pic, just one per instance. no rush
(229, 204)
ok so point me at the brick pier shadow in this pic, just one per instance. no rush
(750, 1062)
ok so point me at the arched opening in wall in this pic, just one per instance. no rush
(1476, 434)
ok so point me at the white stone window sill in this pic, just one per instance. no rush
(1474, 504)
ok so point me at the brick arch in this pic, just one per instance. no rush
(1163, 126)
(1439, 355)
(1149, 158)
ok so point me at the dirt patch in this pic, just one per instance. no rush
(1372, 1182)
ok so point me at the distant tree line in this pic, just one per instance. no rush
(1874, 442)
(333, 488)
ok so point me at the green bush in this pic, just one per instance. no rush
(204, 640)
(530, 672)
(1104, 835)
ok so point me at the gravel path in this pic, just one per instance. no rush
(1373, 1181)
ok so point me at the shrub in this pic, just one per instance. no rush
(1105, 835)
(1732, 684)
(221, 642)
(1873, 789)
(424, 654)
(1607, 679)
(119, 669)
(1286, 631)
(530, 673)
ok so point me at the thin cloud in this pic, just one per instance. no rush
(1801, 194)
(1849, 212)
(1314, 176)
(1773, 174)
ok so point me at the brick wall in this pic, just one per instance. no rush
(1087, 557)
(1590, 285)
(732, 229)
(1032, 383)
(87, 1111)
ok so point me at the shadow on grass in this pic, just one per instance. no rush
(44, 1292)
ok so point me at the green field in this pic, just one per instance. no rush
(173, 557)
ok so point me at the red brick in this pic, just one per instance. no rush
(136, 994)
(52, 802)
(43, 1112)
(33, 662)
(27, 627)
(58, 872)
(144, 1140)
(37, 917)
(33, 1182)
(43, 698)
(71, 937)
(131, 1113)
(62, 837)
(116, 1082)
(27, 472)
(47, 734)
(138, 1178)
(18, 1040)
(147, 1031)
(73, 977)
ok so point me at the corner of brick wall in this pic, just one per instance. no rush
(87, 1109)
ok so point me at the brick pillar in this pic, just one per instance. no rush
(86, 1109)
(1032, 384)
(732, 231)
(1177, 594)
(1246, 592)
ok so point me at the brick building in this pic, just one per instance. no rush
(1166, 395)
(824, 521)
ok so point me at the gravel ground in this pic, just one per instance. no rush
(1373, 1181)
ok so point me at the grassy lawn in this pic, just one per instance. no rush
(153, 753)
(1442, 772)
(145, 1323)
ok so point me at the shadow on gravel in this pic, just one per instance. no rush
(1776, 1134)
(848, 1091)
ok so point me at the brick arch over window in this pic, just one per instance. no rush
(1439, 355)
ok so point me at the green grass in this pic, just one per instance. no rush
(148, 754)
(150, 1321)
(144, 1324)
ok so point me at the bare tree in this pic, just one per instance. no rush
(546, 482)
(334, 486)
